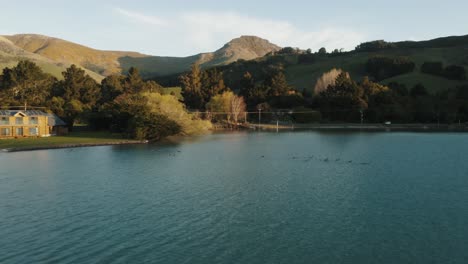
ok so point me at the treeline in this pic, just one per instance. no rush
(379, 45)
(451, 72)
(124, 104)
(348, 101)
(336, 97)
(139, 108)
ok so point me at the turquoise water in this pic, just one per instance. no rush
(304, 197)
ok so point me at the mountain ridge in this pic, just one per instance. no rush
(57, 52)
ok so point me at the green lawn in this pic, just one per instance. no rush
(74, 138)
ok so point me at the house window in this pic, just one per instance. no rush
(33, 131)
(33, 120)
(19, 131)
(4, 131)
(4, 121)
(19, 121)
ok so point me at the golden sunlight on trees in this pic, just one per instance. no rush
(327, 79)
(227, 106)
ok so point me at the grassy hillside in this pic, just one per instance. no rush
(65, 52)
(10, 55)
(99, 63)
(303, 75)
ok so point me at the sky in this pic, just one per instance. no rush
(182, 28)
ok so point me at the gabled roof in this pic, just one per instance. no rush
(26, 113)
(54, 120)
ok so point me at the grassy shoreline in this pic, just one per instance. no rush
(92, 139)
(74, 140)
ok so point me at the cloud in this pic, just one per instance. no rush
(138, 17)
(202, 31)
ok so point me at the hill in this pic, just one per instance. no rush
(53, 53)
(242, 48)
(246, 53)
(11, 54)
(65, 52)
(302, 69)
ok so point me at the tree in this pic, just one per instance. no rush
(227, 105)
(371, 88)
(374, 46)
(278, 84)
(434, 68)
(454, 72)
(327, 79)
(133, 83)
(343, 100)
(144, 110)
(111, 87)
(322, 51)
(212, 83)
(79, 92)
(418, 90)
(238, 107)
(247, 84)
(152, 127)
(26, 83)
(191, 87)
(381, 67)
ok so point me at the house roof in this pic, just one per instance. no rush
(54, 120)
(27, 112)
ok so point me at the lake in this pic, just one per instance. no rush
(291, 197)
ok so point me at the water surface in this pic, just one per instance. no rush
(304, 197)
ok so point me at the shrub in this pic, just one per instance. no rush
(386, 67)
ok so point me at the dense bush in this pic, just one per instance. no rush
(452, 72)
(153, 127)
(434, 68)
(306, 115)
(386, 67)
(374, 46)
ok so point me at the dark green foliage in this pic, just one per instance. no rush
(288, 50)
(418, 90)
(307, 58)
(398, 89)
(322, 51)
(212, 83)
(247, 84)
(381, 67)
(191, 88)
(306, 115)
(75, 95)
(152, 127)
(434, 43)
(375, 46)
(342, 101)
(111, 87)
(278, 84)
(287, 101)
(25, 83)
(434, 68)
(454, 72)
(451, 72)
(462, 92)
(199, 86)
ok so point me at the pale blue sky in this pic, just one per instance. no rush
(180, 28)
